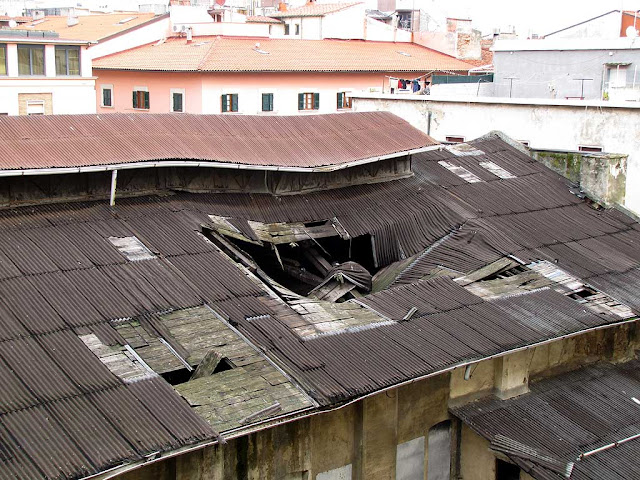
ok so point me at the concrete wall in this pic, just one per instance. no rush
(553, 74)
(143, 35)
(546, 125)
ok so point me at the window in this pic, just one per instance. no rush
(590, 148)
(308, 101)
(141, 99)
(3, 59)
(286, 29)
(35, 107)
(230, 102)
(107, 96)
(67, 60)
(297, 29)
(31, 59)
(344, 100)
(454, 139)
(177, 100)
(267, 102)
(507, 471)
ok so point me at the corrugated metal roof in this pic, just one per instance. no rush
(566, 416)
(60, 277)
(61, 141)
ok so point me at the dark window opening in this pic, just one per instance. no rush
(592, 149)
(454, 139)
(297, 29)
(223, 366)
(141, 100)
(510, 272)
(507, 471)
(107, 97)
(286, 29)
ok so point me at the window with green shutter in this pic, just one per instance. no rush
(308, 101)
(267, 102)
(177, 103)
(141, 100)
(229, 102)
(344, 100)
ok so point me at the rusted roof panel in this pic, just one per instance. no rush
(566, 416)
(299, 141)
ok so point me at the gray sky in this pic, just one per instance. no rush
(540, 16)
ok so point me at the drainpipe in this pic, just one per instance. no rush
(114, 181)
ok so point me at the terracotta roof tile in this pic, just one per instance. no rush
(89, 27)
(222, 54)
(262, 19)
(314, 10)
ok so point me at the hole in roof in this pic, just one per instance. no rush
(183, 375)
(586, 292)
(311, 259)
(131, 248)
(404, 54)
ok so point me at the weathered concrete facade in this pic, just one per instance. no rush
(561, 125)
(365, 439)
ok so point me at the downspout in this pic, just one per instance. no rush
(114, 181)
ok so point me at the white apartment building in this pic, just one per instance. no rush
(43, 76)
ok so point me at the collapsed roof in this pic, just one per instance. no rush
(480, 252)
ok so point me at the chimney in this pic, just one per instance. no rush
(282, 7)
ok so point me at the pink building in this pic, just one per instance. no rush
(256, 75)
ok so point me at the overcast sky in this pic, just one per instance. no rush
(539, 16)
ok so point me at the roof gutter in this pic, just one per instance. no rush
(208, 164)
(311, 411)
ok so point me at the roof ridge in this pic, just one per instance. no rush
(205, 57)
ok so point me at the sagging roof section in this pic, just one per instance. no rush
(577, 425)
(264, 142)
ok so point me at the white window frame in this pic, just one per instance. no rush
(33, 103)
(184, 99)
(104, 87)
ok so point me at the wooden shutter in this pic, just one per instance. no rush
(267, 102)
(146, 100)
(316, 101)
(223, 100)
(340, 100)
(106, 97)
(301, 101)
(134, 100)
(234, 102)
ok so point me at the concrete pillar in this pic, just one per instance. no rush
(50, 60)
(512, 374)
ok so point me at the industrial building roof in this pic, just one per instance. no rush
(233, 54)
(67, 141)
(109, 302)
(579, 425)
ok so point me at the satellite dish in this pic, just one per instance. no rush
(631, 32)
(13, 24)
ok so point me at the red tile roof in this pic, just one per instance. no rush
(60, 141)
(233, 54)
(89, 27)
(314, 10)
(262, 19)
